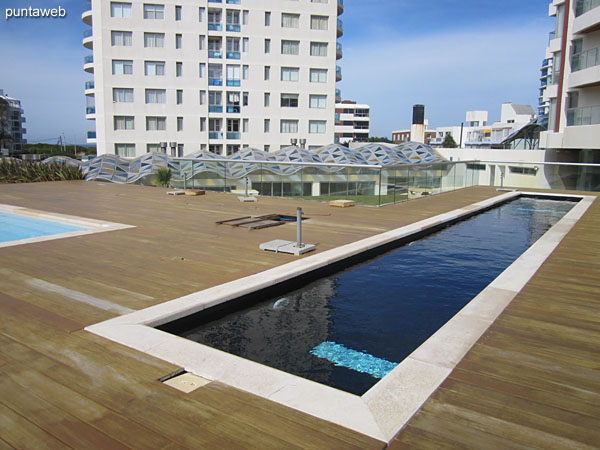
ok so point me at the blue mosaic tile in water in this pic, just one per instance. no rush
(352, 359)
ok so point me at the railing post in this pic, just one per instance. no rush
(299, 228)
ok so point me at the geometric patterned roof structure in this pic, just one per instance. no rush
(124, 170)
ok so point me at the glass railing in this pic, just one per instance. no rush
(233, 55)
(215, 27)
(87, 33)
(215, 109)
(90, 110)
(215, 135)
(233, 2)
(215, 82)
(338, 93)
(583, 6)
(215, 54)
(340, 26)
(585, 60)
(233, 135)
(88, 59)
(214, 1)
(555, 77)
(233, 28)
(233, 83)
(89, 85)
(552, 35)
(233, 109)
(588, 115)
(91, 135)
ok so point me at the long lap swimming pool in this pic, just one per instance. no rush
(350, 329)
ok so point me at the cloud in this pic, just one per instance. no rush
(450, 72)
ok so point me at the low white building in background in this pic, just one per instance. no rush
(352, 121)
(477, 133)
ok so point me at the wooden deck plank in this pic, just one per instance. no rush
(535, 371)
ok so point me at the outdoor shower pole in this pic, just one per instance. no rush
(299, 228)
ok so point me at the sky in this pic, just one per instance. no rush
(450, 55)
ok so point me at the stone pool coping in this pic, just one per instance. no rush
(93, 225)
(383, 410)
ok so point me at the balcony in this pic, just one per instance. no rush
(86, 16)
(338, 96)
(215, 82)
(235, 28)
(90, 110)
(215, 135)
(585, 69)
(340, 8)
(233, 83)
(91, 137)
(215, 27)
(338, 73)
(215, 1)
(89, 88)
(233, 2)
(587, 16)
(88, 64)
(234, 135)
(585, 60)
(589, 115)
(234, 55)
(233, 109)
(87, 39)
(338, 51)
(215, 54)
(215, 109)
(340, 28)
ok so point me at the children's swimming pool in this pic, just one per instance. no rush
(15, 227)
(350, 329)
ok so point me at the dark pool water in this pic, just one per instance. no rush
(349, 329)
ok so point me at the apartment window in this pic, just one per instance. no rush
(233, 46)
(318, 75)
(245, 71)
(319, 22)
(180, 124)
(215, 100)
(201, 40)
(215, 148)
(267, 99)
(245, 15)
(233, 102)
(201, 14)
(245, 100)
(233, 125)
(180, 150)
(156, 123)
(121, 38)
(267, 148)
(318, 49)
(202, 97)
(154, 12)
(289, 100)
(290, 47)
(289, 73)
(318, 101)
(153, 148)
(233, 75)
(202, 124)
(123, 95)
(267, 45)
(177, 12)
(267, 73)
(202, 70)
(245, 45)
(317, 126)
(318, 1)
(214, 18)
(178, 69)
(232, 20)
(157, 96)
(290, 20)
(267, 18)
(215, 74)
(245, 125)
(179, 96)
(122, 67)
(125, 150)
(178, 41)
(123, 123)
(154, 68)
(523, 170)
(289, 126)
(154, 40)
(232, 149)
(120, 10)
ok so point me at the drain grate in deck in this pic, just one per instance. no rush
(255, 223)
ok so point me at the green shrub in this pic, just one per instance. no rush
(14, 171)
(163, 177)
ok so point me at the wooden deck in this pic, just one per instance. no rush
(533, 379)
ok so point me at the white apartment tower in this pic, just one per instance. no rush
(211, 75)
(574, 88)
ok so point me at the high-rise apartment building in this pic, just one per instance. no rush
(352, 121)
(574, 90)
(11, 125)
(216, 75)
